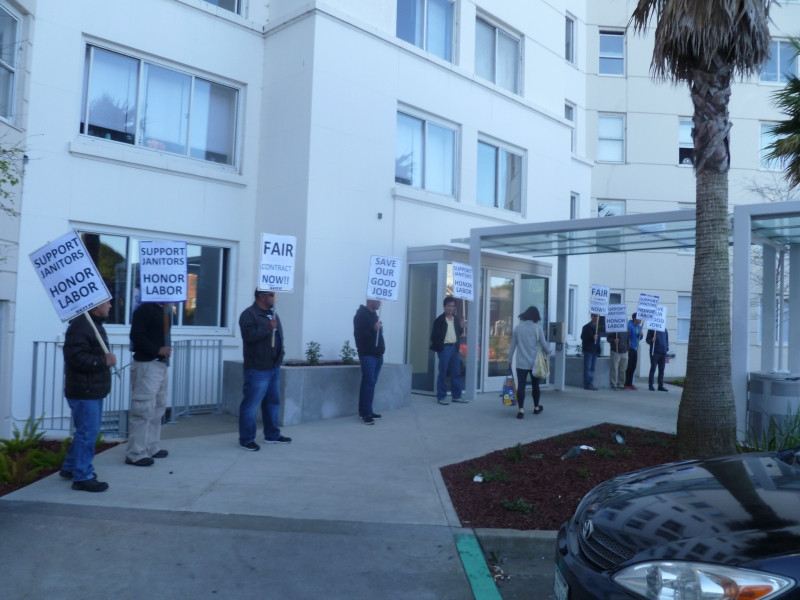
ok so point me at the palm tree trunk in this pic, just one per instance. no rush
(707, 416)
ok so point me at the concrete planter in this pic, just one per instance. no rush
(573, 375)
(322, 392)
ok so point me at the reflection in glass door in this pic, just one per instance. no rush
(500, 323)
(422, 289)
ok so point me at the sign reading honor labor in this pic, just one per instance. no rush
(648, 305)
(462, 281)
(69, 276)
(659, 321)
(163, 271)
(598, 301)
(384, 278)
(616, 319)
(276, 271)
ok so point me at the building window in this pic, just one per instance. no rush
(574, 206)
(569, 115)
(499, 178)
(425, 155)
(428, 24)
(571, 312)
(117, 259)
(610, 208)
(685, 142)
(9, 37)
(781, 63)
(569, 39)
(232, 5)
(768, 137)
(684, 317)
(497, 55)
(611, 138)
(612, 53)
(133, 101)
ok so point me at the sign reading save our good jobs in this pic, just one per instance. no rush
(598, 301)
(69, 276)
(648, 305)
(163, 271)
(616, 318)
(659, 321)
(384, 278)
(276, 271)
(462, 281)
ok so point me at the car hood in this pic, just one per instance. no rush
(729, 510)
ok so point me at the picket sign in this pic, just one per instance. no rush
(598, 300)
(384, 282)
(276, 266)
(163, 271)
(463, 281)
(616, 318)
(647, 308)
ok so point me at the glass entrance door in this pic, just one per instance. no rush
(500, 318)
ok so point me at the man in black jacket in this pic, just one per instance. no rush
(149, 383)
(87, 381)
(590, 344)
(446, 342)
(262, 334)
(368, 332)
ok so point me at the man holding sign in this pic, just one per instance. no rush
(368, 333)
(617, 336)
(658, 340)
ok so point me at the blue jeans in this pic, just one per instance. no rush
(370, 369)
(589, 362)
(657, 360)
(264, 388)
(86, 416)
(449, 360)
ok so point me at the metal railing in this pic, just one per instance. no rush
(195, 385)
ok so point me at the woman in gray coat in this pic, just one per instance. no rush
(527, 339)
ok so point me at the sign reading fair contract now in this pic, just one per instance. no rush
(462, 281)
(276, 271)
(69, 276)
(163, 271)
(598, 301)
(384, 278)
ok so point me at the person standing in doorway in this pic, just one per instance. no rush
(87, 381)
(368, 333)
(619, 343)
(149, 381)
(526, 340)
(262, 334)
(634, 336)
(446, 342)
(590, 344)
(659, 346)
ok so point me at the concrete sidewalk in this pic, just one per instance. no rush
(340, 471)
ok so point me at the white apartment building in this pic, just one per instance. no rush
(384, 127)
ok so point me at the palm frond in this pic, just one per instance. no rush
(786, 146)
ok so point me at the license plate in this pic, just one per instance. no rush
(560, 587)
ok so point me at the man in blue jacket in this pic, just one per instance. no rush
(659, 346)
(634, 335)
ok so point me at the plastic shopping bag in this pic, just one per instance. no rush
(509, 390)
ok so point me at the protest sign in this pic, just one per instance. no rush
(598, 301)
(69, 276)
(616, 319)
(163, 271)
(648, 305)
(384, 278)
(659, 321)
(276, 271)
(462, 281)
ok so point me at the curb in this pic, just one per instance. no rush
(516, 543)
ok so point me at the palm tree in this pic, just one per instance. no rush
(705, 43)
(786, 147)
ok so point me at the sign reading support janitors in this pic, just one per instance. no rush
(69, 276)
(616, 318)
(648, 306)
(462, 281)
(276, 272)
(384, 278)
(163, 269)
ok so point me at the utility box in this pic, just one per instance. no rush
(557, 333)
(773, 396)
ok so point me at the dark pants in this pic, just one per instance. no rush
(86, 416)
(589, 363)
(657, 359)
(633, 357)
(522, 380)
(261, 388)
(449, 360)
(370, 369)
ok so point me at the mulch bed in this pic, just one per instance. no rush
(530, 487)
(52, 446)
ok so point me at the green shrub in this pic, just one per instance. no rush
(519, 505)
(348, 353)
(780, 434)
(16, 470)
(593, 433)
(515, 454)
(46, 458)
(584, 472)
(313, 353)
(26, 440)
(496, 474)
(606, 452)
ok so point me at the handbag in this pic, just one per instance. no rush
(541, 366)
(509, 390)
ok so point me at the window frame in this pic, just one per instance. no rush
(424, 46)
(573, 142)
(503, 147)
(624, 137)
(237, 11)
(13, 69)
(683, 145)
(680, 318)
(225, 287)
(600, 55)
(140, 103)
(569, 38)
(572, 305)
(497, 30)
(778, 81)
(426, 118)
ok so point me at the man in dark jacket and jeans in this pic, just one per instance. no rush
(590, 344)
(87, 381)
(446, 342)
(659, 346)
(368, 333)
(262, 334)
